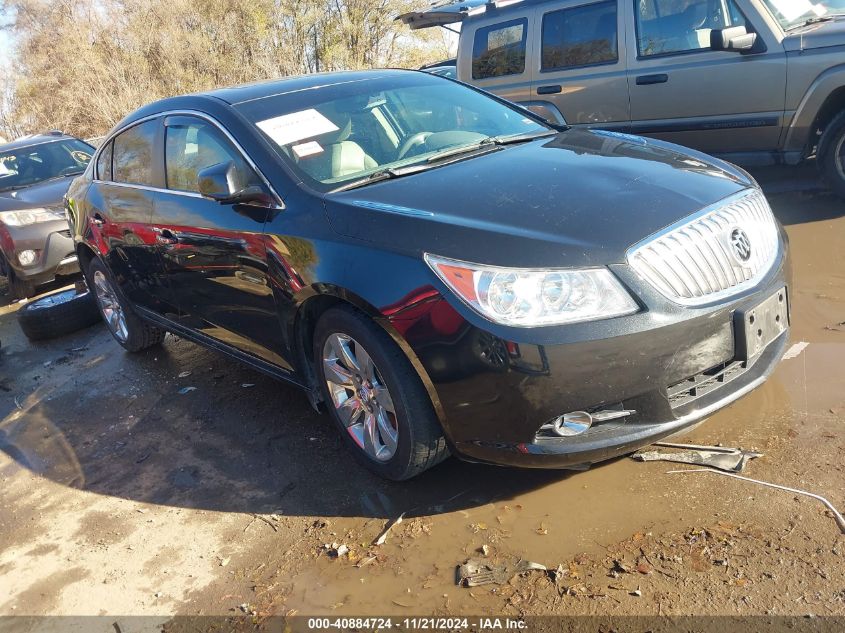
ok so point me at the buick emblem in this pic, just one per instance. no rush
(741, 245)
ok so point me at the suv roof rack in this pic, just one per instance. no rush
(449, 13)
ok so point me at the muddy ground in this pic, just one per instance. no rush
(121, 496)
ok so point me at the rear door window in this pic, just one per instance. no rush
(104, 163)
(580, 36)
(499, 49)
(132, 161)
(191, 145)
(666, 27)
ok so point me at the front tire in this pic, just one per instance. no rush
(375, 396)
(18, 288)
(133, 333)
(832, 156)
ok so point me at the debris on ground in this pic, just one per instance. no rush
(365, 561)
(837, 516)
(381, 538)
(476, 572)
(795, 350)
(184, 374)
(185, 390)
(336, 550)
(723, 458)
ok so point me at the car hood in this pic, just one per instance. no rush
(44, 194)
(578, 199)
(821, 35)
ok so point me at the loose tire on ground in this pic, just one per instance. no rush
(57, 314)
(420, 443)
(133, 333)
(831, 157)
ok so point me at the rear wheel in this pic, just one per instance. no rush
(375, 397)
(832, 157)
(127, 328)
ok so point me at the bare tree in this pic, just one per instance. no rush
(84, 64)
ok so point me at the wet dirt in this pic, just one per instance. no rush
(121, 495)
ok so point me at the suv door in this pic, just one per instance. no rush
(121, 203)
(580, 65)
(213, 253)
(499, 48)
(685, 92)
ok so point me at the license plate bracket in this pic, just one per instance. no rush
(758, 326)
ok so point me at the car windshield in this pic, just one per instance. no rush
(31, 164)
(371, 127)
(792, 13)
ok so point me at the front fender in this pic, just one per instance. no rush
(798, 134)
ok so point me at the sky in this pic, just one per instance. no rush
(6, 42)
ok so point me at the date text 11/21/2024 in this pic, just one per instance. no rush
(418, 623)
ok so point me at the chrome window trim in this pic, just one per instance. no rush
(713, 297)
(129, 185)
(196, 113)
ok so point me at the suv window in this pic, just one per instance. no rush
(680, 26)
(31, 164)
(104, 163)
(191, 145)
(499, 49)
(580, 36)
(132, 160)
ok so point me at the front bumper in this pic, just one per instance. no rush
(53, 245)
(673, 365)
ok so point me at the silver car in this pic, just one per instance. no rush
(35, 243)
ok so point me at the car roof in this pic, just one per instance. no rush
(275, 87)
(253, 91)
(36, 139)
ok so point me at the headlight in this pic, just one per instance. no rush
(29, 216)
(534, 297)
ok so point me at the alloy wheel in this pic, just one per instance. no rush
(360, 396)
(113, 312)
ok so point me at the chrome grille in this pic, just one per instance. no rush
(700, 259)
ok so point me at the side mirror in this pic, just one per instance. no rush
(735, 38)
(222, 183)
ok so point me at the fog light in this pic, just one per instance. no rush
(573, 423)
(27, 257)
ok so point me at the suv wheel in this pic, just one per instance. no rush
(832, 158)
(375, 397)
(125, 326)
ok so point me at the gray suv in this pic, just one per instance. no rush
(756, 82)
(35, 243)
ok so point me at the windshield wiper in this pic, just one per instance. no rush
(810, 21)
(376, 176)
(490, 141)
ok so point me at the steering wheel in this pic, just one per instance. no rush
(411, 142)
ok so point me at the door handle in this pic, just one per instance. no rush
(165, 236)
(648, 80)
(97, 220)
(549, 90)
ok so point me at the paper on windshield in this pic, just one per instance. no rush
(794, 9)
(296, 126)
(307, 149)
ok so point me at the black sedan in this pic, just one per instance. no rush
(441, 270)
